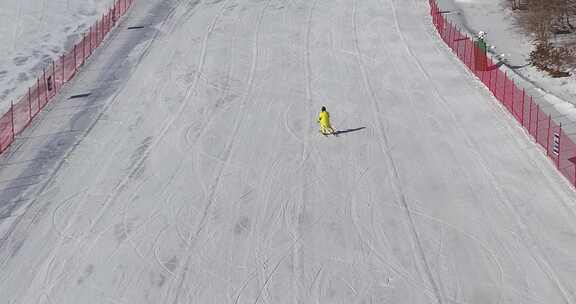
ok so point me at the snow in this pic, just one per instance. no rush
(33, 32)
(195, 173)
(497, 19)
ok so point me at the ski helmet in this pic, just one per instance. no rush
(481, 34)
(323, 108)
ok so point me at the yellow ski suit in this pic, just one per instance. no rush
(324, 120)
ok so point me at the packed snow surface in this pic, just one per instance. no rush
(497, 19)
(194, 171)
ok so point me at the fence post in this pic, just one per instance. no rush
(512, 98)
(465, 55)
(75, 63)
(97, 42)
(38, 93)
(102, 28)
(496, 85)
(471, 51)
(12, 117)
(523, 106)
(84, 49)
(29, 104)
(505, 85)
(530, 118)
(450, 33)
(537, 120)
(466, 43)
(548, 136)
(54, 85)
(457, 42)
(559, 146)
(63, 68)
(490, 78)
(513, 114)
(471, 55)
(45, 88)
(90, 43)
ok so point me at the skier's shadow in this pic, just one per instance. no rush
(348, 130)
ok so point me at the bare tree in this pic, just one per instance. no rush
(546, 19)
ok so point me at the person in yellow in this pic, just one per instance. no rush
(324, 121)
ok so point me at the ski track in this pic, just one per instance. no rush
(193, 216)
(385, 148)
(111, 198)
(416, 62)
(53, 175)
(230, 145)
(539, 257)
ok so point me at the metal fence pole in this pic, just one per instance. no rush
(54, 85)
(537, 120)
(75, 63)
(505, 85)
(548, 136)
(512, 99)
(12, 117)
(530, 118)
(90, 42)
(38, 93)
(63, 68)
(102, 29)
(29, 104)
(490, 78)
(45, 89)
(84, 49)
(559, 146)
(471, 51)
(523, 107)
(450, 33)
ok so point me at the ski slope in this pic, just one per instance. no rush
(194, 172)
(34, 32)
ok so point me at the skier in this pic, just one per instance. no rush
(324, 121)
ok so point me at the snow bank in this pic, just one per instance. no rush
(34, 32)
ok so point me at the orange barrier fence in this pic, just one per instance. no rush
(49, 83)
(550, 135)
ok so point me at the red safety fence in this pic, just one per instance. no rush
(559, 147)
(51, 80)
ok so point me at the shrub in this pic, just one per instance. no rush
(554, 60)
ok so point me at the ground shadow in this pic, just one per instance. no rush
(501, 63)
(348, 130)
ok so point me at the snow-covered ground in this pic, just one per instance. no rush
(32, 32)
(194, 172)
(498, 20)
